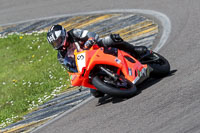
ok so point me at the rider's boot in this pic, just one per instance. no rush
(136, 51)
(114, 40)
(140, 50)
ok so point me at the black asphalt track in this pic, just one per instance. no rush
(169, 105)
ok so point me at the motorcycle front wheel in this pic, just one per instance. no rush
(111, 88)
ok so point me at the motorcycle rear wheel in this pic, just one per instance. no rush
(161, 67)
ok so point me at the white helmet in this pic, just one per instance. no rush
(57, 36)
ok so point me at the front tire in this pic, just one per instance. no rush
(113, 91)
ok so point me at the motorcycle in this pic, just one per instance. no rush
(114, 72)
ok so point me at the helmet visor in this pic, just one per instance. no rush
(58, 43)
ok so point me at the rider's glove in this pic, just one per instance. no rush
(89, 43)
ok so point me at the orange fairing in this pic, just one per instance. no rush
(86, 60)
(101, 58)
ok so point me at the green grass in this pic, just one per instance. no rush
(29, 75)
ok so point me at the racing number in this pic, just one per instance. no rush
(80, 57)
(81, 61)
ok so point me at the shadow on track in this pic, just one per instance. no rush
(146, 84)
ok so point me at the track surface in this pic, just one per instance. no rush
(169, 105)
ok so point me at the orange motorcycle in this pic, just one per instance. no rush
(114, 72)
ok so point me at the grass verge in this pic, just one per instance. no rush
(29, 75)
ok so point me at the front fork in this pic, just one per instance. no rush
(112, 75)
(120, 81)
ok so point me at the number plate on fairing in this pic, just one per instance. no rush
(81, 61)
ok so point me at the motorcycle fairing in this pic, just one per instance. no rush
(86, 60)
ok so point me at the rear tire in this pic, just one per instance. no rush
(113, 91)
(161, 67)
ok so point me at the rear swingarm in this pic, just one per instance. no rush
(148, 58)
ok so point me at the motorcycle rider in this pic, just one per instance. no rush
(67, 41)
